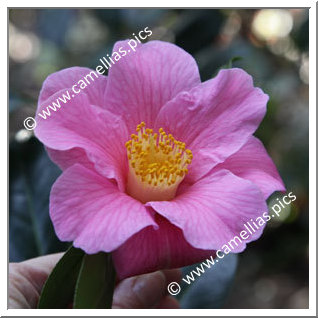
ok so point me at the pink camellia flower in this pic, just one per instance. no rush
(158, 168)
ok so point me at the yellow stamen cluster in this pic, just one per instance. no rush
(157, 158)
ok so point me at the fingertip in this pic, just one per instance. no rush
(144, 291)
(172, 275)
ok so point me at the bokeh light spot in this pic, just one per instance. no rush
(269, 24)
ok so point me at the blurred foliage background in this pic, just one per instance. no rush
(273, 45)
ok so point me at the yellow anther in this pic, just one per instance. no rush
(188, 151)
(157, 162)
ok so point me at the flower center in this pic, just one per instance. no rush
(157, 164)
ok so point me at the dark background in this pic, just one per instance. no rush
(273, 47)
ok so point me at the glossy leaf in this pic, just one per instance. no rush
(58, 291)
(95, 284)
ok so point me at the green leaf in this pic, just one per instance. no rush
(229, 64)
(95, 284)
(58, 290)
(31, 176)
(232, 60)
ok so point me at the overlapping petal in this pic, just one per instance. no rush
(253, 163)
(141, 82)
(214, 210)
(215, 119)
(152, 249)
(67, 78)
(90, 210)
(67, 158)
(79, 124)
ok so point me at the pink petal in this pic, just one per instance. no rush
(253, 163)
(67, 158)
(217, 118)
(89, 210)
(78, 124)
(141, 82)
(68, 77)
(152, 249)
(214, 210)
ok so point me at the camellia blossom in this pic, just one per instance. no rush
(158, 168)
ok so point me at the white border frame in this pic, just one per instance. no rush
(312, 166)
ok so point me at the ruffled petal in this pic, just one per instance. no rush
(153, 249)
(79, 124)
(215, 119)
(141, 82)
(253, 163)
(214, 210)
(89, 210)
(67, 78)
(67, 158)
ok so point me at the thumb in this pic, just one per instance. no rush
(144, 291)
